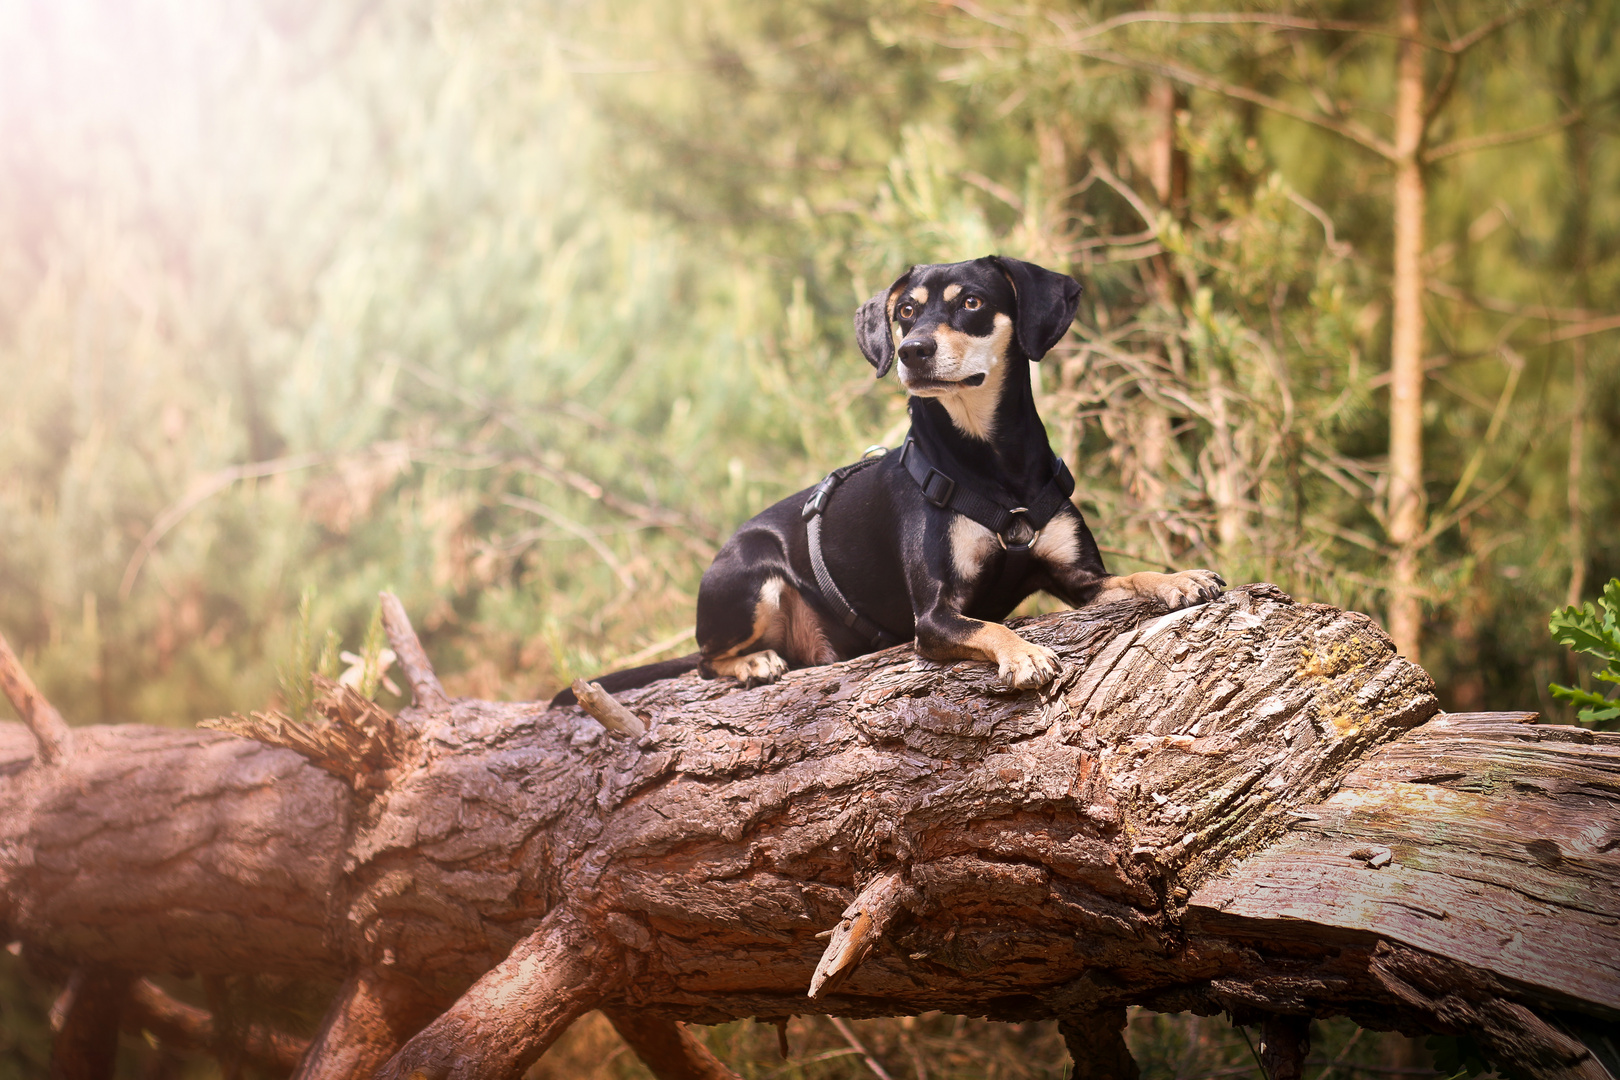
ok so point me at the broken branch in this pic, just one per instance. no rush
(413, 660)
(863, 923)
(606, 710)
(51, 733)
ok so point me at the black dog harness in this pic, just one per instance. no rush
(814, 507)
(944, 492)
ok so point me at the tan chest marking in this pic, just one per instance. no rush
(971, 545)
(1059, 542)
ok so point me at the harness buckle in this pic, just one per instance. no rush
(1034, 535)
(946, 488)
(817, 502)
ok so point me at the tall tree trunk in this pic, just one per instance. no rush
(1407, 509)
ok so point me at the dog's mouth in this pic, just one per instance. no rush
(917, 384)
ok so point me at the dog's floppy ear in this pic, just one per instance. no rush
(872, 332)
(1047, 302)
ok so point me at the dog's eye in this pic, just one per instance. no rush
(973, 303)
(907, 310)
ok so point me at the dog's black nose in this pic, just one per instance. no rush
(914, 351)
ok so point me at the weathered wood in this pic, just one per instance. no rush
(1064, 853)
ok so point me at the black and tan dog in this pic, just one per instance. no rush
(940, 540)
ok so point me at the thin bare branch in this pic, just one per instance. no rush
(1348, 129)
(202, 490)
(603, 552)
(413, 659)
(1457, 46)
(1586, 329)
(1275, 22)
(1500, 138)
(856, 1045)
(51, 733)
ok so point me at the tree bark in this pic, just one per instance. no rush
(1250, 806)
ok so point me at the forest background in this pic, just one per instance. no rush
(518, 309)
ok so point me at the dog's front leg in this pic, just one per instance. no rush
(947, 635)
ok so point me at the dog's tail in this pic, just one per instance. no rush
(632, 678)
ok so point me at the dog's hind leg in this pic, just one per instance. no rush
(739, 627)
(782, 631)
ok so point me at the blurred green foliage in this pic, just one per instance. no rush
(519, 309)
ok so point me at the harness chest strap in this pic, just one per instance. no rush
(947, 494)
(814, 507)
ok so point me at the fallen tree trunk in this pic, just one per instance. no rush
(1252, 806)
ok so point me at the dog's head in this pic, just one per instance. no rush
(959, 322)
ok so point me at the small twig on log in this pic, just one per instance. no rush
(86, 1042)
(667, 1048)
(187, 1027)
(866, 1055)
(607, 711)
(864, 922)
(425, 687)
(51, 733)
(1284, 1042)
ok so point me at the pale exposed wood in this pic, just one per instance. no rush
(413, 660)
(51, 733)
(1503, 840)
(865, 921)
(1066, 849)
(353, 738)
(606, 711)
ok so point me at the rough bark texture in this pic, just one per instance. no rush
(1249, 806)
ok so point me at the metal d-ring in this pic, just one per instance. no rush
(1001, 537)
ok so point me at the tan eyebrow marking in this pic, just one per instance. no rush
(952, 292)
(920, 295)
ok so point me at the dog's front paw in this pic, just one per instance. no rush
(1027, 666)
(755, 669)
(1190, 587)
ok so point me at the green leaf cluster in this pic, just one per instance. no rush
(1593, 629)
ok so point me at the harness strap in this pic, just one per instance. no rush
(814, 509)
(947, 494)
